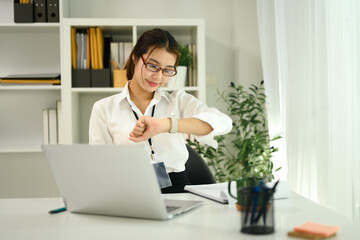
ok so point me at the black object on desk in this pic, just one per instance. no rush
(260, 203)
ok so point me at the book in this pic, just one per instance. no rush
(219, 191)
(79, 47)
(114, 53)
(128, 46)
(100, 48)
(45, 114)
(59, 122)
(52, 126)
(73, 48)
(31, 81)
(194, 65)
(38, 78)
(121, 54)
(107, 42)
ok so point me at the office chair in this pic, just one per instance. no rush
(196, 169)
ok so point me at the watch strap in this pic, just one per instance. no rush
(174, 124)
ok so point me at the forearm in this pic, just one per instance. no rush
(189, 125)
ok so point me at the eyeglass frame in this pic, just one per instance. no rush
(158, 68)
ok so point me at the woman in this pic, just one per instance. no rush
(144, 113)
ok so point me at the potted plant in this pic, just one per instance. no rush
(185, 60)
(186, 56)
(245, 153)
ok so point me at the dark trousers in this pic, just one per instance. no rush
(178, 180)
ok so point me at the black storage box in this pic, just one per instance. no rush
(100, 78)
(81, 78)
(23, 12)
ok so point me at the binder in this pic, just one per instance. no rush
(23, 12)
(100, 48)
(73, 48)
(92, 49)
(39, 10)
(53, 10)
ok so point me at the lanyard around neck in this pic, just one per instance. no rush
(149, 140)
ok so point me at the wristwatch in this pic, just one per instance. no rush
(174, 124)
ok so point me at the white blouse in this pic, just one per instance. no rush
(112, 119)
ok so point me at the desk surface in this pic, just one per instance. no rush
(28, 219)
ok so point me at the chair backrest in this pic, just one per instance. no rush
(197, 171)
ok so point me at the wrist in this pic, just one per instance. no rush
(166, 125)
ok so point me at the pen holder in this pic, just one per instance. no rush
(120, 78)
(257, 212)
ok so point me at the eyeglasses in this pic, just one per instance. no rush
(170, 72)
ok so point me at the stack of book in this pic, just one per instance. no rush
(119, 53)
(32, 79)
(192, 73)
(52, 124)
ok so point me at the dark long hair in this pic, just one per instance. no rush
(152, 39)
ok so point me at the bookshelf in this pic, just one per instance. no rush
(26, 48)
(77, 102)
(45, 47)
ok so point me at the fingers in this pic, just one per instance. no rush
(138, 129)
(137, 139)
(145, 128)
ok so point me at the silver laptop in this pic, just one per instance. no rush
(114, 180)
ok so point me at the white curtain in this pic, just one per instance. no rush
(311, 63)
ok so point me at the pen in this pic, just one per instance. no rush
(57, 210)
(256, 191)
(267, 197)
(250, 192)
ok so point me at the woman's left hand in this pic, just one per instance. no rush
(147, 127)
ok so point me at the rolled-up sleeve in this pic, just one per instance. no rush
(191, 107)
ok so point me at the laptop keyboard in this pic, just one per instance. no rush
(171, 208)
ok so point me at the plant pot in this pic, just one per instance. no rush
(178, 81)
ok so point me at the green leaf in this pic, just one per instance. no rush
(246, 150)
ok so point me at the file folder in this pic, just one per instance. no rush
(73, 48)
(53, 10)
(39, 10)
(23, 12)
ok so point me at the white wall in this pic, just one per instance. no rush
(247, 55)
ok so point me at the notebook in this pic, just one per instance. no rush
(114, 180)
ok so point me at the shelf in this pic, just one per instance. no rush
(20, 149)
(29, 88)
(115, 90)
(28, 27)
(186, 89)
(96, 90)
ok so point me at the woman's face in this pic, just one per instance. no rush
(148, 80)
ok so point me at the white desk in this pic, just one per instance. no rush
(28, 219)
